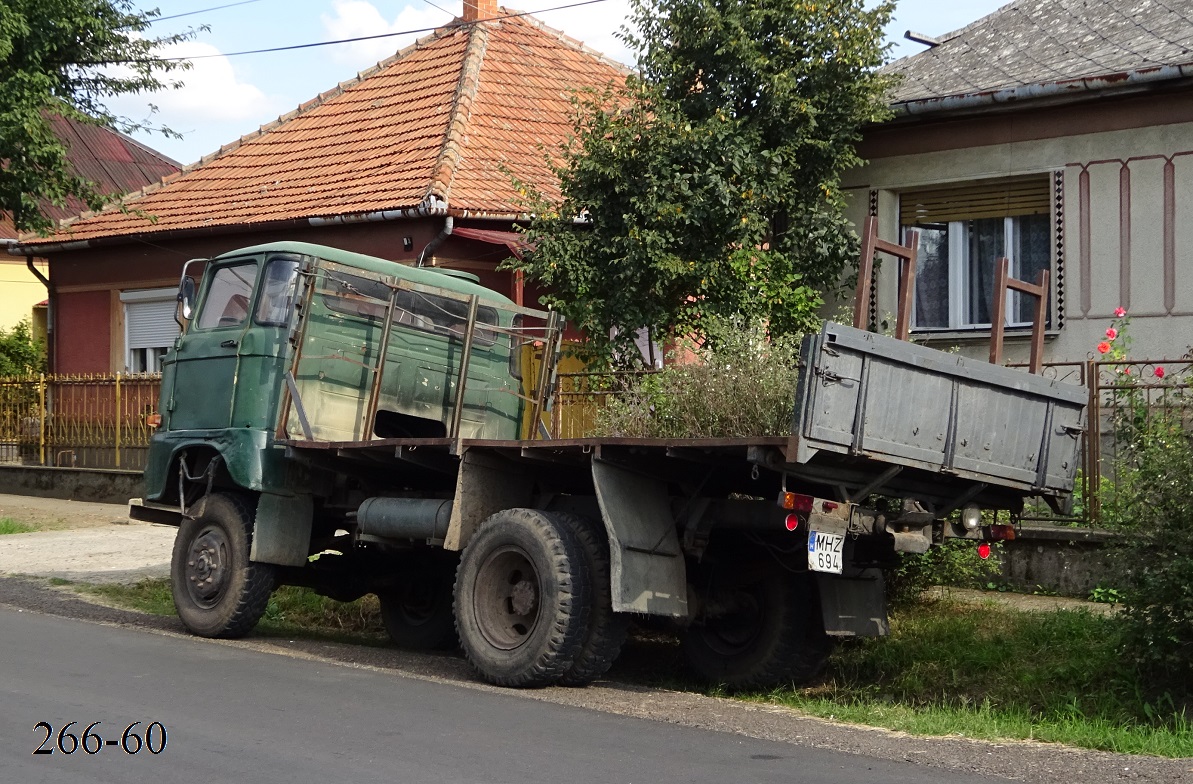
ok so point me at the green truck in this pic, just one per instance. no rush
(356, 426)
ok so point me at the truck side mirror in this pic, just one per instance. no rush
(186, 298)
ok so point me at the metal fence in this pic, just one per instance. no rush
(100, 421)
(80, 421)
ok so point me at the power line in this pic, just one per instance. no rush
(157, 19)
(339, 41)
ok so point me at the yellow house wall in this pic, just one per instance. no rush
(19, 291)
(1119, 247)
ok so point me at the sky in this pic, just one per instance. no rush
(225, 96)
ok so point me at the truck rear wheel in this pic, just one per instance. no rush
(522, 599)
(764, 629)
(218, 591)
(416, 607)
(607, 630)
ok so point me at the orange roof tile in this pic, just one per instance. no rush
(433, 126)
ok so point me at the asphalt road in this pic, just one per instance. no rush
(233, 714)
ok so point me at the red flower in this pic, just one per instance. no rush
(1159, 371)
(1111, 333)
(1119, 312)
(1103, 347)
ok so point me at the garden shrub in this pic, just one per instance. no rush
(740, 383)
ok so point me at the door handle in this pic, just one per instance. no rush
(228, 344)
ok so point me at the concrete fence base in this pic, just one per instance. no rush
(97, 485)
(1067, 561)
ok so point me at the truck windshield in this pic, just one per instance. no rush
(277, 292)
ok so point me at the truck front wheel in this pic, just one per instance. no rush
(522, 598)
(218, 591)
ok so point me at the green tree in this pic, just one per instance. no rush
(20, 354)
(67, 58)
(710, 186)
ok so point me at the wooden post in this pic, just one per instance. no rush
(906, 254)
(998, 312)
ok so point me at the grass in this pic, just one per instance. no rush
(291, 611)
(10, 526)
(947, 668)
(984, 672)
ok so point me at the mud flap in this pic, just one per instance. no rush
(648, 573)
(854, 605)
(282, 530)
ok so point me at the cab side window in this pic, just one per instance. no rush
(229, 297)
(277, 295)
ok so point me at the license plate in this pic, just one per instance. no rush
(824, 551)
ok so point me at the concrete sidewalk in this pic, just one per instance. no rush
(82, 542)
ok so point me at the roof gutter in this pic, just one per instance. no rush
(1061, 91)
(433, 206)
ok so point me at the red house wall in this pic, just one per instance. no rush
(82, 340)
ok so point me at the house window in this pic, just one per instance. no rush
(963, 231)
(149, 327)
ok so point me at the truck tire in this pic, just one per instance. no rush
(607, 630)
(218, 591)
(416, 607)
(522, 599)
(773, 636)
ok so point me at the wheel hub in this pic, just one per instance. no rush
(206, 566)
(506, 597)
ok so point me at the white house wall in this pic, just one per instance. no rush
(1128, 230)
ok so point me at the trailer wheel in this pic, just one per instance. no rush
(416, 607)
(521, 599)
(607, 630)
(218, 591)
(767, 632)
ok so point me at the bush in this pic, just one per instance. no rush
(741, 383)
(954, 563)
(1156, 557)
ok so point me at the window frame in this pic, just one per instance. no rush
(961, 279)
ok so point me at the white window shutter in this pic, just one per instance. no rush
(150, 324)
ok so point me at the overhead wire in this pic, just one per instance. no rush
(357, 39)
(156, 19)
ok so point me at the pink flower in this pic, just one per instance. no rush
(1119, 312)
(1111, 333)
(1159, 371)
(1125, 371)
(1103, 347)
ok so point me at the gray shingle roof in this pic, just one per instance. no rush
(1043, 41)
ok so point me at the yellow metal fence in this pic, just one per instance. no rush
(80, 421)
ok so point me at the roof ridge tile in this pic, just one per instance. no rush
(443, 171)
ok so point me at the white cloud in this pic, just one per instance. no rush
(211, 91)
(595, 25)
(359, 18)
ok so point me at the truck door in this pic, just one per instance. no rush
(206, 360)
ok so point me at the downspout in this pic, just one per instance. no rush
(432, 246)
(51, 332)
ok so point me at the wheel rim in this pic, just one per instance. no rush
(736, 632)
(416, 603)
(507, 597)
(207, 566)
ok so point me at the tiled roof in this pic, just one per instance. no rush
(1033, 42)
(111, 160)
(436, 123)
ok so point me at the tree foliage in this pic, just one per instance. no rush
(20, 353)
(710, 186)
(66, 58)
